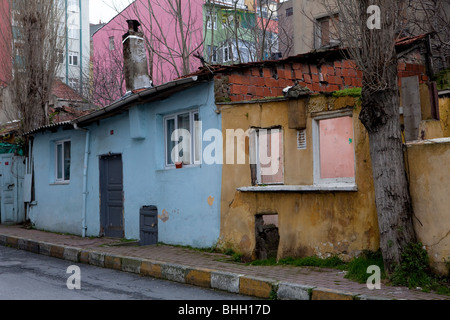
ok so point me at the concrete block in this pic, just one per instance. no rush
(367, 297)
(22, 244)
(97, 259)
(57, 251)
(256, 287)
(84, 256)
(44, 248)
(12, 242)
(328, 294)
(174, 272)
(151, 269)
(71, 254)
(33, 246)
(225, 281)
(292, 291)
(199, 277)
(132, 265)
(3, 240)
(113, 262)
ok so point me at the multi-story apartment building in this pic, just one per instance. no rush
(286, 28)
(240, 31)
(75, 56)
(314, 25)
(227, 27)
(72, 18)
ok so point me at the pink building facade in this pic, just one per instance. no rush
(170, 45)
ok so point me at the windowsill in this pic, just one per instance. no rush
(336, 187)
(62, 183)
(185, 166)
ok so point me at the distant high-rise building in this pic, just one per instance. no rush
(74, 68)
(74, 33)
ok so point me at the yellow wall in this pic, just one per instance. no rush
(433, 129)
(328, 223)
(429, 173)
(444, 113)
(310, 223)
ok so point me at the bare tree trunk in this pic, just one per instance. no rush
(381, 118)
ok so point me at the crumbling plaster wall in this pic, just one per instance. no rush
(310, 223)
(429, 177)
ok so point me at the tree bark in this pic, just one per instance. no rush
(380, 116)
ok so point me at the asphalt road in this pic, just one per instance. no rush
(28, 276)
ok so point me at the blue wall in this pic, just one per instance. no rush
(182, 194)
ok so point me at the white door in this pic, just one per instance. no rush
(12, 171)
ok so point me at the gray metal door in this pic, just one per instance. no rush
(111, 193)
(148, 226)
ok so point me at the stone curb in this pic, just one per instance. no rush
(329, 294)
(257, 287)
(225, 281)
(207, 278)
(292, 291)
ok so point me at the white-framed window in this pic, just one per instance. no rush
(212, 54)
(212, 21)
(227, 53)
(333, 148)
(74, 32)
(266, 152)
(73, 58)
(62, 161)
(73, 5)
(183, 138)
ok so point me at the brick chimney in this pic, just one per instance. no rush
(135, 58)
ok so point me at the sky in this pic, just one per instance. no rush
(104, 9)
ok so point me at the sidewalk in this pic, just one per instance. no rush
(210, 270)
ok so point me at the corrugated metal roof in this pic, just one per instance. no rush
(49, 126)
(128, 100)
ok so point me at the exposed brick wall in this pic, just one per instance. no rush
(264, 81)
(409, 70)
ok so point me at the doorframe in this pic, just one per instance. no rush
(103, 212)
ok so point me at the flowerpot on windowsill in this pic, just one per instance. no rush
(178, 165)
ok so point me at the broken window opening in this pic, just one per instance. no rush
(267, 236)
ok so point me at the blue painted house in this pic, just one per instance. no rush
(96, 175)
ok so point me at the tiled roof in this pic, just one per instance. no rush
(67, 113)
(64, 92)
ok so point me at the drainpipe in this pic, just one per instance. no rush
(85, 176)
